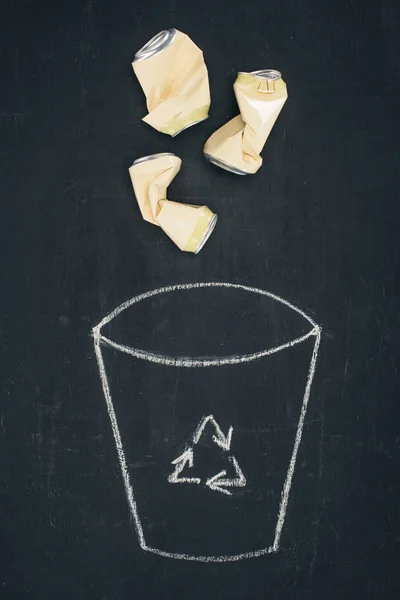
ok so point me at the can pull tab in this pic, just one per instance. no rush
(267, 86)
(267, 80)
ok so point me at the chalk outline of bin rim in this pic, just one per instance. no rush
(198, 362)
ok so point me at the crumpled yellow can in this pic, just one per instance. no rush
(188, 226)
(174, 78)
(236, 146)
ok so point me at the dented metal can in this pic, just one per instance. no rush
(174, 78)
(236, 146)
(188, 226)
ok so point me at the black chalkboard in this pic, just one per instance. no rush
(230, 441)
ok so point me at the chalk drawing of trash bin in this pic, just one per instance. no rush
(207, 387)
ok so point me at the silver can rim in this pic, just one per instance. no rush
(223, 165)
(190, 125)
(207, 233)
(157, 43)
(269, 74)
(143, 159)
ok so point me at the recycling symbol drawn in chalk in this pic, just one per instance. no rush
(219, 482)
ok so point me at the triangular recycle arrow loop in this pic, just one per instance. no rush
(218, 482)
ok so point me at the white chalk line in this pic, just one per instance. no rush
(289, 477)
(191, 286)
(211, 483)
(204, 362)
(223, 441)
(216, 482)
(118, 443)
(124, 469)
(240, 479)
(219, 481)
(186, 458)
(210, 559)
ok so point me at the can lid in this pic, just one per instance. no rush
(269, 74)
(207, 233)
(223, 165)
(157, 43)
(138, 161)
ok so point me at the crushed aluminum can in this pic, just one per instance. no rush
(236, 146)
(188, 226)
(174, 78)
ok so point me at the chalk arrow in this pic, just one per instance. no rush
(219, 482)
(223, 441)
(186, 458)
(214, 482)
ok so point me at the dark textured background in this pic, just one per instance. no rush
(318, 225)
